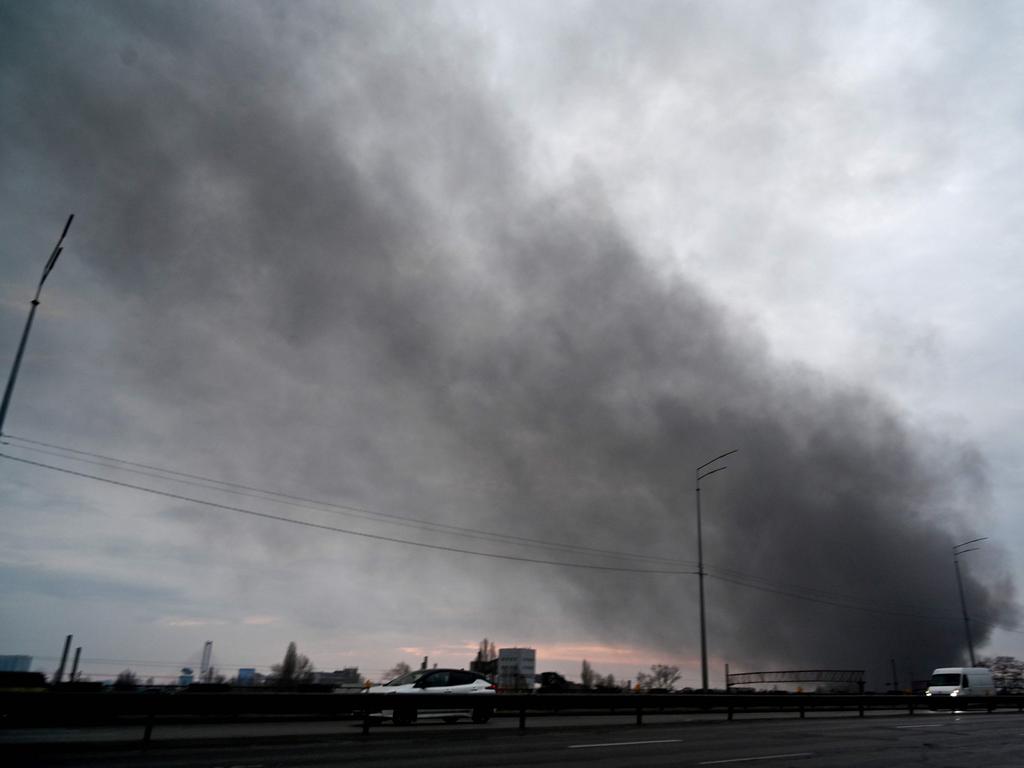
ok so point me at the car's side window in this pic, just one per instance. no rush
(435, 680)
(462, 678)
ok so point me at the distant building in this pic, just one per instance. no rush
(15, 663)
(516, 668)
(246, 676)
(339, 678)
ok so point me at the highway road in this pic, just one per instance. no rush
(937, 740)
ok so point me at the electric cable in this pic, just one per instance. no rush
(334, 529)
(304, 502)
(733, 576)
(822, 601)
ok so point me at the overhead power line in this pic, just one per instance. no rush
(334, 529)
(150, 663)
(823, 601)
(801, 588)
(729, 575)
(815, 595)
(210, 483)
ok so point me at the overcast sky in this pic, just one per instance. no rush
(470, 289)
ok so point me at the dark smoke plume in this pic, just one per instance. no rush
(320, 224)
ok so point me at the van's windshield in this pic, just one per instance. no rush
(945, 679)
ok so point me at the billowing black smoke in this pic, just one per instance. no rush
(332, 192)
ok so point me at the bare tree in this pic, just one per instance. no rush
(608, 681)
(295, 668)
(661, 676)
(127, 680)
(401, 668)
(587, 675)
(1007, 671)
(487, 651)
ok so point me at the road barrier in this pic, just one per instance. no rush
(65, 708)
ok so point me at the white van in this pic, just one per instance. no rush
(961, 681)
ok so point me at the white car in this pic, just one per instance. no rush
(436, 681)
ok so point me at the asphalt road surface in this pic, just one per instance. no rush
(939, 740)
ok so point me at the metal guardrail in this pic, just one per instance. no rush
(64, 708)
(855, 676)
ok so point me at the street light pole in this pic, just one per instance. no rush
(957, 551)
(700, 567)
(28, 324)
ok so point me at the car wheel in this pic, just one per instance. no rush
(482, 714)
(403, 716)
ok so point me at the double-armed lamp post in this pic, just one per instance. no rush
(701, 473)
(54, 255)
(958, 550)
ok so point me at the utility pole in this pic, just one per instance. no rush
(8, 391)
(957, 551)
(700, 567)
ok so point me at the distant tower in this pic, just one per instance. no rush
(204, 667)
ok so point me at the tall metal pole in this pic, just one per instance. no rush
(700, 576)
(700, 568)
(957, 551)
(9, 390)
(963, 607)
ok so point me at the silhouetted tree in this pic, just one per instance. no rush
(608, 681)
(587, 674)
(401, 668)
(126, 681)
(661, 676)
(486, 652)
(1007, 671)
(295, 668)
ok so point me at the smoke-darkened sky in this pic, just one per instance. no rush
(495, 279)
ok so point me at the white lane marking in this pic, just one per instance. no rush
(624, 743)
(761, 757)
(932, 725)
